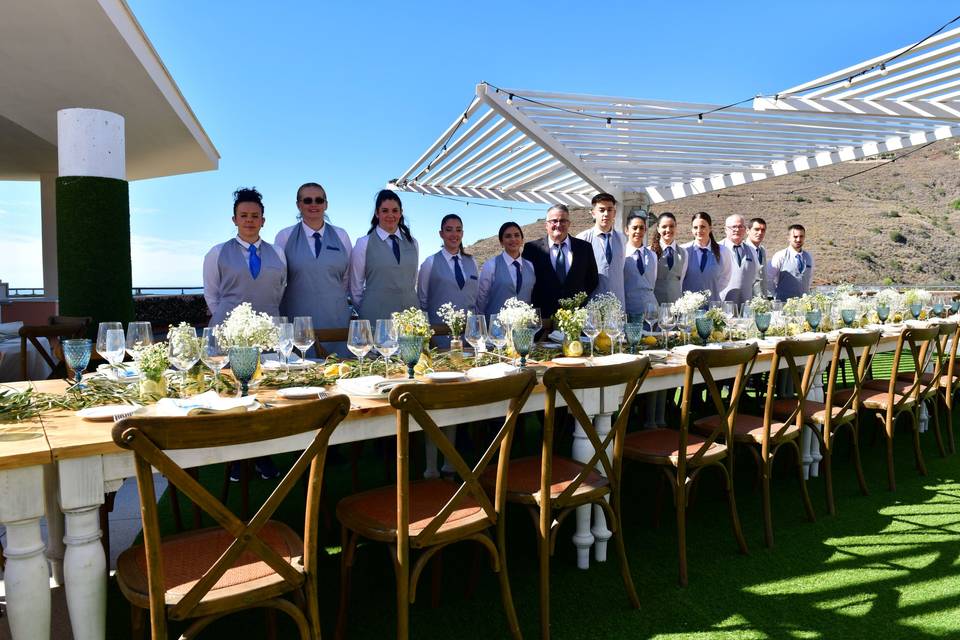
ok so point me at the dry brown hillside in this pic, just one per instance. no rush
(897, 223)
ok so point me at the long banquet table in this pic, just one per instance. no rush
(69, 464)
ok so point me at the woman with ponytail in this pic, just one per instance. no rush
(449, 275)
(708, 268)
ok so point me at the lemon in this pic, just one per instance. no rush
(574, 348)
(344, 368)
(331, 370)
(423, 364)
(650, 341)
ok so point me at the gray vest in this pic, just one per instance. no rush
(760, 286)
(443, 288)
(503, 287)
(237, 285)
(638, 289)
(315, 283)
(388, 286)
(739, 288)
(709, 278)
(791, 283)
(669, 286)
(611, 274)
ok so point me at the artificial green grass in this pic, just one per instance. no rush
(886, 564)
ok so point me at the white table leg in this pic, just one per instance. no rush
(27, 575)
(601, 533)
(583, 538)
(55, 549)
(84, 563)
(924, 417)
(809, 444)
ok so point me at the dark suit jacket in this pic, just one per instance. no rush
(581, 275)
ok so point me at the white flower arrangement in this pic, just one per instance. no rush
(690, 301)
(607, 305)
(916, 296)
(244, 327)
(890, 298)
(571, 321)
(759, 304)
(412, 322)
(454, 318)
(153, 360)
(517, 313)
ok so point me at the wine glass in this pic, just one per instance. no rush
(651, 313)
(476, 335)
(731, 310)
(847, 315)
(668, 320)
(938, 306)
(303, 334)
(359, 340)
(139, 335)
(592, 327)
(883, 312)
(813, 319)
(114, 347)
(285, 344)
(613, 326)
(77, 354)
(212, 354)
(537, 322)
(183, 350)
(278, 320)
(497, 332)
(915, 309)
(385, 341)
(102, 336)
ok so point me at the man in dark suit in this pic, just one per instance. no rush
(564, 265)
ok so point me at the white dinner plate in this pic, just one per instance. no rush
(106, 412)
(570, 362)
(445, 376)
(301, 393)
(276, 365)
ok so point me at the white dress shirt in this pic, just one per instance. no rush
(567, 253)
(211, 270)
(358, 262)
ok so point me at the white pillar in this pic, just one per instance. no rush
(91, 142)
(48, 226)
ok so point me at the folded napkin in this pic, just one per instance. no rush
(687, 348)
(556, 336)
(614, 358)
(10, 330)
(810, 335)
(369, 385)
(489, 371)
(208, 402)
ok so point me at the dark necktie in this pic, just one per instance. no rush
(516, 265)
(458, 272)
(670, 258)
(607, 251)
(254, 261)
(800, 264)
(396, 247)
(561, 265)
(703, 259)
(640, 266)
(738, 249)
(317, 244)
(760, 255)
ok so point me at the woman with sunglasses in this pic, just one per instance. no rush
(383, 267)
(318, 261)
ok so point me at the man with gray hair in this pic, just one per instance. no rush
(743, 263)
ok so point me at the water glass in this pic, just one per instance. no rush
(613, 326)
(497, 332)
(592, 327)
(114, 346)
(102, 336)
(183, 350)
(668, 320)
(883, 312)
(634, 333)
(385, 341)
(915, 309)
(847, 315)
(476, 335)
(212, 354)
(410, 349)
(285, 344)
(762, 321)
(523, 342)
(77, 354)
(954, 305)
(303, 334)
(651, 313)
(704, 327)
(139, 334)
(278, 320)
(938, 306)
(359, 340)
(813, 319)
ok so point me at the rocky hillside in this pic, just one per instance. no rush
(895, 224)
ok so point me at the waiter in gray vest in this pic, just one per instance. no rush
(607, 245)
(318, 265)
(791, 269)
(743, 262)
(755, 233)
(244, 268)
(383, 266)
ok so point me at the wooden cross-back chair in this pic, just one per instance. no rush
(60, 328)
(430, 514)
(944, 379)
(208, 573)
(889, 398)
(552, 486)
(682, 455)
(782, 420)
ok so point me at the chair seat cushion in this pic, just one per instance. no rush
(812, 411)
(746, 427)
(927, 378)
(901, 387)
(662, 446)
(187, 556)
(373, 513)
(523, 478)
(881, 400)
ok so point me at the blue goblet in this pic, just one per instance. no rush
(410, 349)
(813, 319)
(704, 328)
(77, 354)
(243, 363)
(883, 312)
(954, 305)
(634, 331)
(915, 310)
(847, 315)
(938, 309)
(762, 321)
(523, 342)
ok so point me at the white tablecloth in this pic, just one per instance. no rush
(37, 368)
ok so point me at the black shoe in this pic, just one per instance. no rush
(235, 470)
(265, 467)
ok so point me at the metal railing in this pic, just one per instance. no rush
(38, 292)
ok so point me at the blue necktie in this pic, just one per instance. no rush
(608, 252)
(640, 266)
(738, 249)
(760, 255)
(396, 247)
(317, 244)
(800, 264)
(703, 259)
(561, 265)
(670, 258)
(516, 265)
(458, 272)
(254, 261)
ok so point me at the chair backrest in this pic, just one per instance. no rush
(566, 380)
(845, 351)
(704, 361)
(438, 330)
(328, 335)
(54, 333)
(922, 345)
(417, 401)
(149, 437)
(950, 369)
(789, 352)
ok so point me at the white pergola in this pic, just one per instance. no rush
(542, 147)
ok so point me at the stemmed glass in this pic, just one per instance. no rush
(915, 309)
(114, 347)
(102, 336)
(303, 334)
(139, 335)
(592, 327)
(938, 306)
(476, 335)
(359, 340)
(285, 344)
(613, 326)
(883, 312)
(668, 320)
(732, 311)
(385, 341)
(497, 332)
(77, 354)
(212, 354)
(278, 320)
(183, 350)
(762, 320)
(704, 326)
(523, 340)
(813, 318)
(847, 315)
(634, 332)
(954, 305)
(651, 313)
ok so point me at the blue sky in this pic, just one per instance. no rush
(349, 95)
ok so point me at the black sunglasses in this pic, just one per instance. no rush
(309, 200)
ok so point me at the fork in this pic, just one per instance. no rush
(120, 415)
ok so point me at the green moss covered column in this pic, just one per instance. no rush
(93, 248)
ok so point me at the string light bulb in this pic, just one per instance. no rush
(609, 123)
(699, 118)
(883, 69)
(848, 82)
(464, 118)
(510, 99)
